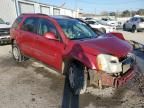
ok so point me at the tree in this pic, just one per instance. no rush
(140, 12)
(133, 13)
(126, 13)
(112, 14)
(104, 13)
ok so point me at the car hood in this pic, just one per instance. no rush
(4, 26)
(107, 45)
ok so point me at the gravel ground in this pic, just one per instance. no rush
(33, 85)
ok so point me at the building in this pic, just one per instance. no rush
(10, 9)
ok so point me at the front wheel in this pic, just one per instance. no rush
(77, 78)
(134, 29)
(124, 27)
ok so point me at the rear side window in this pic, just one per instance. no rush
(30, 25)
(17, 22)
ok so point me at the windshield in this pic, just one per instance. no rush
(1, 21)
(75, 29)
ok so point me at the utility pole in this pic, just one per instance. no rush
(95, 11)
(76, 9)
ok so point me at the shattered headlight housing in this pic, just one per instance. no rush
(109, 64)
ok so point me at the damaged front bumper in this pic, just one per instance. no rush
(100, 78)
(104, 79)
(116, 82)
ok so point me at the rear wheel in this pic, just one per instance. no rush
(77, 78)
(17, 55)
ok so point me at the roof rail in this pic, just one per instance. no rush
(34, 14)
(41, 14)
(61, 16)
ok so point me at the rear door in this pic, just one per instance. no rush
(14, 31)
(28, 35)
(49, 51)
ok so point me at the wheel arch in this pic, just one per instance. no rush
(67, 61)
(12, 41)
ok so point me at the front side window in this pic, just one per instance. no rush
(75, 29)
(136, 19)
(46, 26)
(132, 19)
(30, 25)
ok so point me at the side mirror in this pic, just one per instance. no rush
(50, 35)
(7, 23)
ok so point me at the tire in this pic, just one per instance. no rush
(77, 78)
(124, 27)
(17, 55)
(134, 29)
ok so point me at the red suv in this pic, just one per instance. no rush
(73, 48)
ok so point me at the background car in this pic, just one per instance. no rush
(134, 24)
(105, 28)
(88, 18)
(111, 22)
(4, 32)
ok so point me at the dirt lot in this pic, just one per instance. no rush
(33, 85)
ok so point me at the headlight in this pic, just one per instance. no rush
(109, 63)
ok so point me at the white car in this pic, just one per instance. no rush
(4, 32)
(100, 26)
(134, 24)
(111, 22)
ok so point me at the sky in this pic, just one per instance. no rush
(97, 6)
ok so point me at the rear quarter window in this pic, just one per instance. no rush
(17, 22)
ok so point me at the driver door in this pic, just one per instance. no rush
(48, 50)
